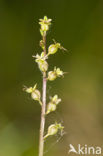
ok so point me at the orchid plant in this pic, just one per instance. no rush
(41, 60)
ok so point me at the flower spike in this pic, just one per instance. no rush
(41, 60)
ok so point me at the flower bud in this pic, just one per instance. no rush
(50, 107)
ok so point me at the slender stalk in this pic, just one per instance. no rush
(42, 124)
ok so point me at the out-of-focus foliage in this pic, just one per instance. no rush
(79, 25)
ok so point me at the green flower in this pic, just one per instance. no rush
(35, 93)
(53, 48)
(58, 72)
(45, 20)
(42, 63)
(52, 105)
(55, 99)
(52, 75)
(53, 129)
(44, 24)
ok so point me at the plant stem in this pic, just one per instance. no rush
(43, 107)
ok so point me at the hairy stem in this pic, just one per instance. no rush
(42, 124)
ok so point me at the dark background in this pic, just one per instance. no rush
(78, 25)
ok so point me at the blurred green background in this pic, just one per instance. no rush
(78, 25)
